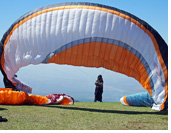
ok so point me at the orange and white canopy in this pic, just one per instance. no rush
(91, 35)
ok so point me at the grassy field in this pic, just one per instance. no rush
(82, 116)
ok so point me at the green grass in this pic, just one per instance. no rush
(82, 116)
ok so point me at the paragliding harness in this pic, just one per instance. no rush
(7, 82)
(3, 119)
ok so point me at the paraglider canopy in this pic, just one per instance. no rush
(91, 35)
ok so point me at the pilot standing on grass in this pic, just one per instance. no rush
(98, 89)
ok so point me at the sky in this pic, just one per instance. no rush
(79, 81)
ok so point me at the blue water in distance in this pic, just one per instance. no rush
(77, 82)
